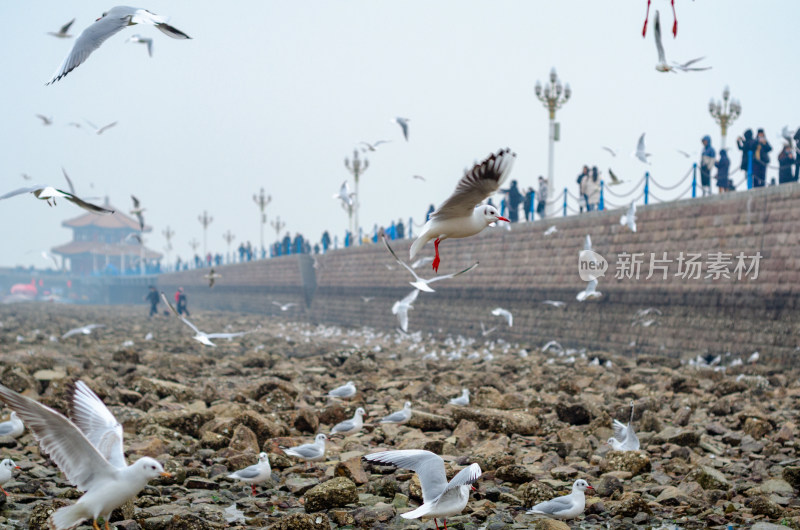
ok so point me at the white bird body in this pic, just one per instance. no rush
(352, 425)
(566, 506)
(84, 330)
(82, 460)
(284, 307)
(590, 292)
(551, 230)
(554, 303)
(462, 400)
(624, 438)
(421, 283)
(400, 308)
(113, 21)
(344, 195)
(662, 65)
(256, 473)
(12, 427)
(462, 215)
(49, 193)
(629, 219)
(505, 313)
(753, 357)
(641, 153)
(313, 452)
(440, 498)
(201, 336)
(399, 417)
(553, 345)
(345, 391)
(7, 468)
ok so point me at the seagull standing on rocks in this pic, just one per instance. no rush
(399, 417)
(111, 22)
(254, 474)
(566, 506)
(346, 391)
(7, 468)
(313, 452)
(462, 214)
(12, 427)
(440, 499)
(351, 426)
(462, 400)
(106, 486)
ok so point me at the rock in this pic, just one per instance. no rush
(672, 496)
(264, 429)
(306, 421)
(244, 440)
(502, 421)
(607, 486)
(40, 512)
(127, 524)
(514, 473)
(212, 440)
(549, 524)
(197, 483)
(335, 493)
(757, 427)
(302, 521)
(566, 473)
(629, 505)
(634, 462)
(763, 506)
(369, 516)
(185, 421)
(151, 446)
(728, 386)
(535, 492)
(430, 422)
(466, 433)
(709, 478)
(575, 414)
(763, 525)
(791, 474)
(488, 397)
(680, 437)
(353, 470)
(162, 389)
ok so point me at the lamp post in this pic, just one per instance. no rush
(552, 100)
(262, 202)
(229, 237)
(205, 220)
(724, 113)
(194, 243)
(278, 225)
(356, 168)
(168, 233)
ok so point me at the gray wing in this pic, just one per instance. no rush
(657, 34)
(640, 148)
(398, 260)
(20, 191)
(174, 312)
(59, 438)
(86, 205)
(395, 417)
(92, 417)
(149, 43)
(346, 425)
(304, 451)
(466, 476)
(477, 184)
(248, 472)
(453, 275)
(6, 428)
(69, 181)
(553, 506)
(620, 430)
(65, 28)
(226, 335)
(105, 127)
(429, 467)
(90, 39)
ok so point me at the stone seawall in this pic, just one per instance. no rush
(521, 268)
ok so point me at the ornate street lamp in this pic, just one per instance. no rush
(205, 220)
(278, 225)
(229, 237)
(356, 168)
(262, 202)
(168, 233)
(724, 113)
(552, 99)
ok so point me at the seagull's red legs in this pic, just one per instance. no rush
(646, 16)
(436, 260)
(674, 24)
(437, 524)
(253, 489)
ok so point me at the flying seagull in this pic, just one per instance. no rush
(374, 146)
(662, 65)
(212, 277)
(421, 283)
(142, 40)
(345, 195)
(505, 313)
(462, 214)
(590, 292)
(49, 193)
(46, 120)
(624, 438)
(112, 21)
(401, 307)
(641, 152)
(613, 153)
(137, 211)
(403, 123)
(629, 219)
(83, 330)
(101, 130)
(614, 179)
(284, 307)
(201, 336)
(419, 177)
(62, 33)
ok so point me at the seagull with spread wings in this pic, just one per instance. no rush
(421, 283)
(49, 193)
(662, 65)
(137, 211)
(62, 33)
(201, 336)
(142, 40)
(401, 307)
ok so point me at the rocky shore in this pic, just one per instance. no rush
(719, 447)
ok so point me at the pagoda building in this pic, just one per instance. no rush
(107, 244)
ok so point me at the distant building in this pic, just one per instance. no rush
(106, 244)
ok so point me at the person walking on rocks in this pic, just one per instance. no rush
(152, 297)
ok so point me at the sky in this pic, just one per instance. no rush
(276, 95)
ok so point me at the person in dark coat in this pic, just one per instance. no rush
(786, 160)
(400, 229)
(286, 245)
(581, 187)
(326, 241)
(707, 162)
(746, 145)
(527, 204)
(723, 167)
(182, 302)
(514, 200)
(152, 297)
(760, 159)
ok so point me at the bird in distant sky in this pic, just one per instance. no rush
(641, 152)
(374, 146)
(101, 130)
(45, 120)
(142, 40)
(613, 153)
(403, 123)
(62, 33)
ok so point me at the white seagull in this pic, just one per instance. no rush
(142, 40)
(346, 391)
(485, 331)
(313, 452)
(374, 146)
(590, 292)
(112, 21)
(403, 123)
(351, 426)
(566, 506)
(554, 303)
(12, 427)
(613, 153)
(7, 468)
(137, 211)
(284, 307)
(641, 152)
(505, 313)
(254, 474)
(62, 33)
(662, 65)
(644, 312)
(212, 277)
(624, 438)
(45, 119)
(49, 193)
(421, 283)
(555, 346)
(614, 179)
(421, 261)
(400, 308)
(399, 417)
(440, 499)
(629, 219)
(551, 230)
(201, 336)
(84, 330)
(462, 215)
(83, 463)
(346, 197)
(462, 400)
(101, 130)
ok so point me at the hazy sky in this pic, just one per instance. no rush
(276, 95)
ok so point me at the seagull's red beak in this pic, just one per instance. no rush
(473, 488)
(17, 467)
(499, 218)
(590, 488)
